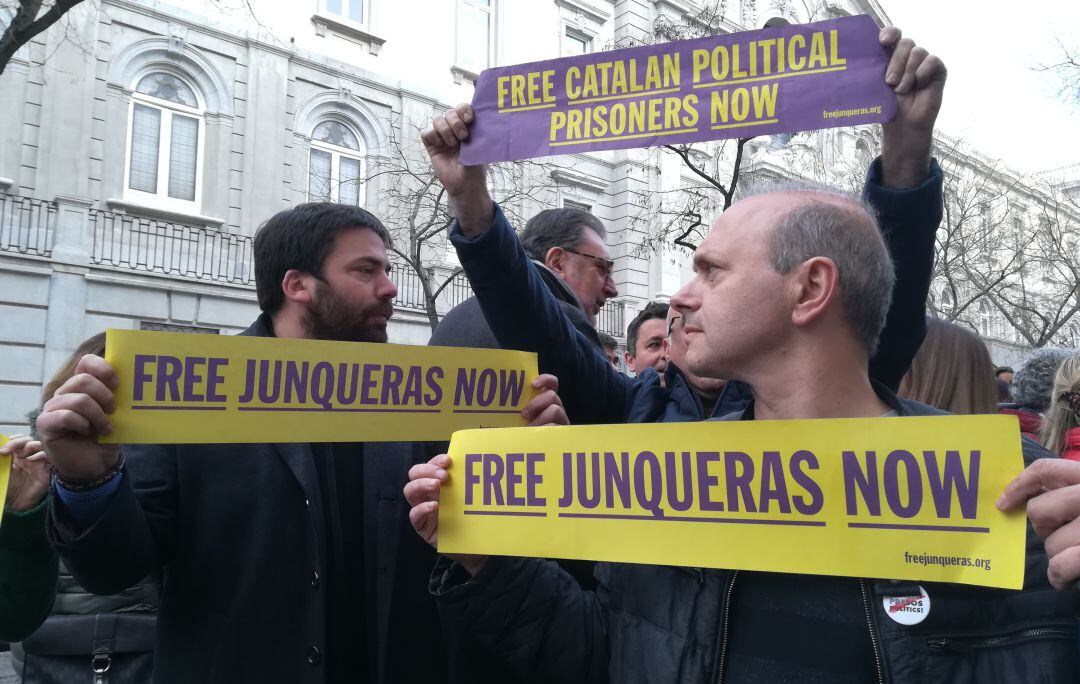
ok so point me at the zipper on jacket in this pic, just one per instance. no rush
(873, 631)
(724, 619)
(967, 645)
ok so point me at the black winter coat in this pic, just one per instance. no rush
(647, 624)
(239, 534)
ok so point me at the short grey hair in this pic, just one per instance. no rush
(1034, 383)
(846, 232)
(558, 228)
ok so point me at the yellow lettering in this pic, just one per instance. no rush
(636, 121)
(765, 101)
(549, 85)
(740, 104)
(801, 62)
(618, 77)
(690, 118)
(517, 90)
(573, 124)
(672, 109)
(654, 122)
(652, 73)
(835, 59)
(818, 57)
(719, 106)
(558, 122)
(701, 60)
(753, 58)
(601, 121)
(604, 68)
(766, 55)
(617, 124)
(589, 88)
(504, 90)
(719, 54)
(780, 66)
(573, 91)
(736, 72)
(671, 70)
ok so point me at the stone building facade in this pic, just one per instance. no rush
(144, 143)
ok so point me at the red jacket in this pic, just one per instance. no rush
(1030, 422)
(1071, 448)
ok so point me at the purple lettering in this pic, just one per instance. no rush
(434, 382)
(533, 479)
(214, 378)
(169, 369)
(617, 478)
(296, 380)
(650, 501)
(568, 479)
(269, 394)
(392, 377)
(892, 483)
(707, 481)
(672, 487)
(589, 496)
(817, 499)
(471, 478)
(141, 376)
(192, 377)
(348, 382)
(941, 488)
(493, 473)
(773, 483)
(738, 480)
(514, 478)
(866, 482)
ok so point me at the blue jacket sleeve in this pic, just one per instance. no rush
(525, 316)
(909, 220)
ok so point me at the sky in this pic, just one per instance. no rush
(994, 99)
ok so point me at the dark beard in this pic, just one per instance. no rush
(332, 318)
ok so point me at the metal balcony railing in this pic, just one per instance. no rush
(27, 226)
(610, 319)
(156, 246)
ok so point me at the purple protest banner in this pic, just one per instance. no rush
(784, 79)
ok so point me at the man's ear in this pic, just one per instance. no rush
(629, 360)
(555, 259)
(816, 286)
(297, 286)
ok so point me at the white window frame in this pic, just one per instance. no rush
(492, 11)
(570, 31)
(365, 12)
(161, 197)
(336, 153)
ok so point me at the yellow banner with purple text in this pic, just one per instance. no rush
(898, 498)
(187, 388)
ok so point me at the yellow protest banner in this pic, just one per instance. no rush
(5, 475)
(185, 388)
(898, 498)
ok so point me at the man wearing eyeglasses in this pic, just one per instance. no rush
(567, 246)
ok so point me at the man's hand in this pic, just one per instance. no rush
(71, 421)
(918, 78)
(426, 479)
(30, 473)
(422, 493)
(466, 185)
(546, 407)
(1051, 488)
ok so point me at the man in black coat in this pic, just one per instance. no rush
(567, 246)
(281, 562)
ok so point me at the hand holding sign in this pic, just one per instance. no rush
(29, 473)
(466, 185)
(918, 79)
(1051, 488)
(426, 479)
(72, 420)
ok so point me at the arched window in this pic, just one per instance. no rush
(165, 141)
(985, 319)
(336, 164)
(947, 301)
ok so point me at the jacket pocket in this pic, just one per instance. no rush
(1031, 655)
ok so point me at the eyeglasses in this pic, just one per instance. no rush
(605, 266)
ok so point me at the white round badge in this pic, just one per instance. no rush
(907, 610)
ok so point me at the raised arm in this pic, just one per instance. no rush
(904, 186)
(517, 305)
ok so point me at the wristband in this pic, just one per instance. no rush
(86, 485)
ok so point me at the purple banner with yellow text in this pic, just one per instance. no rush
(784, 79)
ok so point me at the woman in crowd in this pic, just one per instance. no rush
(1061, 422)
(1032, 387)
(952, 371)
(56, 641)
(27, 562)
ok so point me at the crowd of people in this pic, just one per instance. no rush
(317, 562)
